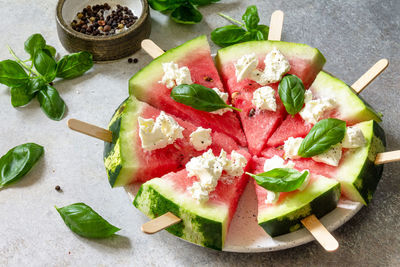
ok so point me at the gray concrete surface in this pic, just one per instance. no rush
(352, 35)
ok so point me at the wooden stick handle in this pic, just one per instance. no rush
(275, 26)
(151, 48)
(91, 130)
(370, 75)
(160, 223)
(321, 234)
(386, 157)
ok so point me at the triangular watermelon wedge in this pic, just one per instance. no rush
(126, 161)
(196, 55)
(305, 62)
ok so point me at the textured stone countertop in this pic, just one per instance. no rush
(353, 35)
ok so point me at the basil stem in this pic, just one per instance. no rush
(291, 91)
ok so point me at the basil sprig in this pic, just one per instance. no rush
(84, 221)
(182, 11)
(291, 91)
(280, 179)
(27, 81)
(240, 32)
(199, 97)
(18, 161)
(323, 135)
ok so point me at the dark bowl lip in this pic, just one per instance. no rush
(66, 28)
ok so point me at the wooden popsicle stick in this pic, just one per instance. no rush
(386, 157)
(160, 223)
(370, 75)
(275, 26)
(91, 130)
(321, 234)
(151, 48)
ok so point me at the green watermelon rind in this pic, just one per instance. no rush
(358, 174)
(205, 225)
(283, 220)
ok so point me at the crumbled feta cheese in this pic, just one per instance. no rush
(224, 97)
(234, 166)
(276, 65)
(272, 197)
(198, 192)
(291, 147)
(315, 109)
(160, 133)
(174, 76)
(245, 66)
(306, 181)
(277, 162)
(330, 157)
(354, 138)
(264, 98)
(201, 138)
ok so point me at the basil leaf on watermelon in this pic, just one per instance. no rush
(280, 179)
(18, 161)
(228, 35)
(74, 65)
(51, 103)
(199, 97)
(250, 18)
(323, 135)
(45, 65)
(84, 221)
(186, 14)
(12, 74)
(262, 32)
(291, 91)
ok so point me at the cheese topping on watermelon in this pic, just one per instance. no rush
(272, 197)
(330, 157)
(264, 98)
(160, 133)
(354, 138)
(174, 76)
(201, 138)
(245, 67)
(314, 110)
(291, 147)
(224, 97)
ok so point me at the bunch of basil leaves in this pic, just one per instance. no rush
(35, 79)
(182, 11)
(248, 30)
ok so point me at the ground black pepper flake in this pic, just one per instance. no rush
(208, 79)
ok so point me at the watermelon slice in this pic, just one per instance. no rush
(305, 62)
(204, 224)
(127, 162)
(195, 55)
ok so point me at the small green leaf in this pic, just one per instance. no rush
(323, 135)
(18, 162)
(250, 18)
(12, 74)
(20, 95)
(74, 65)
(165, 5)
(51, 103)
(203, 2)
(51, 50)
(35, 85)
(199, 97)
(84, 221)
(228, 35)
(186, 14)
(291, 91)
(45, 65)
(34, 43)
(262, 32)
(280, 179)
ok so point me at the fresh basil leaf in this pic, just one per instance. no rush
(51, 50)
(18, 162)
(20, 95)
(45, 65)
(51, 103)
(228, 35)
(280, 179)
(35, 85)
(203, 2)
(262, 32)
(291, 91)
(199, 97)
(164, 5)
(12, 74)
(186, 14)
(74, 65)
(322, 136)
(250, 18)
(84, 221)
(34, 43)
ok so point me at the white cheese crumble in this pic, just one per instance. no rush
(224, 97)
(330, 157)
(277, 162)
(208, 170)
(354, 138)
(160, 133)
(272, 197)
(291, 147)
(245, 66)
(201, 138)
(264, 98)
(174, 76)
(315, 109)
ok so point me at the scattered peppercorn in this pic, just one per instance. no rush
(252, 112)
(58, 188)
(130, 60)
(135, 60)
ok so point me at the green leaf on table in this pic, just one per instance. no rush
(84, 221)
(34, 43)
(164, 5)
(12, 74)
(250, 18)
(45, 65)
(35, 85)
(228, 35)
(280, 179)
(51, 50)
(291, 91)
(51, 103)
(20, 95)
(74, 65)
(186, 14)
(322, 136)
(203, 2)
(17, 162)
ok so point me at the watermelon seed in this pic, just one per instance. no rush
(252, 112)
(208, 79)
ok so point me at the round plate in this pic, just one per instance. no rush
(245, 235)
